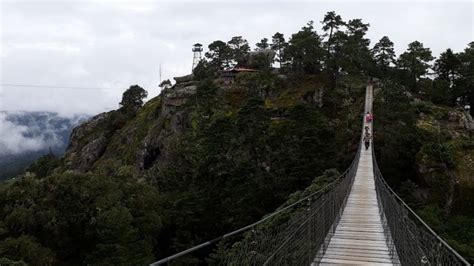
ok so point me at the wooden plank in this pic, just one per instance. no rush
(349, 250)
(352, 261)
(356, 259)
(355, 253)
(356, 247)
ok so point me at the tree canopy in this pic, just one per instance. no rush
(132, 99)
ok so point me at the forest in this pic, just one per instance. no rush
(206, 157)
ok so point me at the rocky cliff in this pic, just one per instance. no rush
(131, 144)
(112, 142)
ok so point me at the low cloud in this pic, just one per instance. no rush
(31, 132)
(14, 141)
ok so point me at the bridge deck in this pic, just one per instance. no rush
(359, 236)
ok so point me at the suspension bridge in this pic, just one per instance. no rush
(355, 219)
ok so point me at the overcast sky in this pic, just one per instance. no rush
(105, 46)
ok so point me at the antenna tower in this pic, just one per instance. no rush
(160, 73)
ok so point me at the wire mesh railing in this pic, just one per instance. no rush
(292, 235)
(408, 235)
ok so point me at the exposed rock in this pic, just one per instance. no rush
(466, 122)
(182, 79)
(84, 130)
(157, 147)
(179, 95)
(314, 97)
(90, 153)
(150, 151)
(188, 83)
(87, 143)
(408, 94)
(453, 116)
(462, 119)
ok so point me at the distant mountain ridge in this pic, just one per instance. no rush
(25, 136)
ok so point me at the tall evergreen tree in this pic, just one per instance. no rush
(263, 44)
(304, 50)
(383, 53)
(465, 84)
(239, 49)
(331, 22)
(278, 45)
(447, 66)
(219, 55)
(415, 61)
(356, 48)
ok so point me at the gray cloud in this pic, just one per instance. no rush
(22, 132)
(14, 140)
(112, 45)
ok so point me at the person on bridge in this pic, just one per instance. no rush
(368, 117)
(367, 138)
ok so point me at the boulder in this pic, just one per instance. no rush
(179, 95)
(466, 122)
(84, 129)
(88, 155)
(314, 97)
(182, 79)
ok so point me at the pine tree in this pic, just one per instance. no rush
(416, 61)
(331, 23)
(263, 44)
(465, 84)
(239, 48)
(278, 45)
(383, 53)
(304, 50)
(447, 66)
(219, 55)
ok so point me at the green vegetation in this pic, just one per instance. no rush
(208, 156)
(132, 99)
(74, 219)
(424, 143)
(45, 165)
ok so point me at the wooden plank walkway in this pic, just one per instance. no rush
(359, 236)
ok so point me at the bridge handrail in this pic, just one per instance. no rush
(425, 258)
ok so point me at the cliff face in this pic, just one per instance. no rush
(114, 143)
(131, 144)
